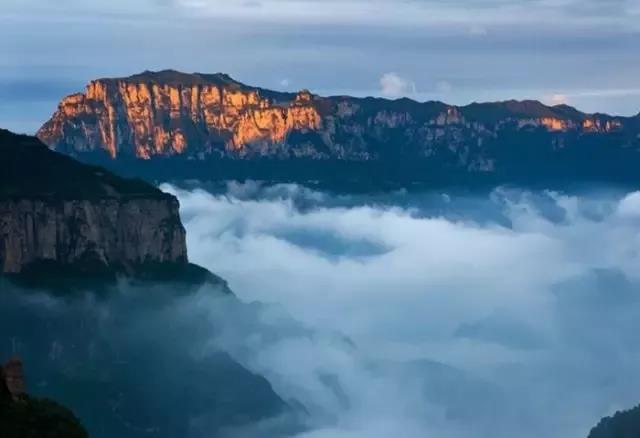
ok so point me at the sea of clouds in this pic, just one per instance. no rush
(511, 313)
(506, 314)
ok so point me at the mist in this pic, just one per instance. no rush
(511, 313)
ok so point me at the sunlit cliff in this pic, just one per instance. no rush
(206, 117)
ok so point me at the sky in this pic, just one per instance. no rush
(581, 52)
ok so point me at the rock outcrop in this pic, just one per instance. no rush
(57, 211)
(168, 113)
(13, 374)
(109, 232)
(23, 416)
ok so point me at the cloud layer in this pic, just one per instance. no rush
(511, 314)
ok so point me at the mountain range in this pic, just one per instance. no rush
(60, 219)
(173, 125)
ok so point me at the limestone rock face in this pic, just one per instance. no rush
(57, 210)
(110, 232)
(168, 112)
(209, 117)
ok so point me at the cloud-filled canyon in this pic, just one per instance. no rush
(502, 314)
(508, 314)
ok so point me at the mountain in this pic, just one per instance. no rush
(624, 424)
(175, 125)
(98, 297)
(60, 216)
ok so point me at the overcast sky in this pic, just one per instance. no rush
(583, 52)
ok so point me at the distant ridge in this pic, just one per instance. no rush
(211, 126)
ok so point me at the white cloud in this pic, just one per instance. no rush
(453, 309)
(559, 99)
(394, 85)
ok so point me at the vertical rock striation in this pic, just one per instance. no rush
(162, 114)
(213, 118)
(58, 211)
(116, 233)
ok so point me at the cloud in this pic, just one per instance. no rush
(511, 313)
(477, 31)
(531, 50)
(470, 313)
(394, 85)
(559, 99)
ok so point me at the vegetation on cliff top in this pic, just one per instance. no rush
(28, 169)
(625, 424)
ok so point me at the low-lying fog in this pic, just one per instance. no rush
(513, 314)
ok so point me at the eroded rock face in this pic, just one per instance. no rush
(111, 232)
(13, 374)
(206, 117)
(54, 209)
(164, 114)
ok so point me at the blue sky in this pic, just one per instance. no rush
(583, 52)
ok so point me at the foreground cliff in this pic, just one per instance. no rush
(171, 124)
(59, 214)
(131, 358)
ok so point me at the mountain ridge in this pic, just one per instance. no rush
(64, 218)
(172, 76)
(210, 118)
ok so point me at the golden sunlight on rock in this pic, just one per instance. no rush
(159, 116)
(553, 124)
(200, 116)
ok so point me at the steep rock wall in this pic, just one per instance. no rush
(111, 232)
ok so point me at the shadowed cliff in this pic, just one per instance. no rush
(62, 221)
(97, 295)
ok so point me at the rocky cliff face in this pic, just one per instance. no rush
(55, 210)
(210, 117)
(169, 113)
(117, 233)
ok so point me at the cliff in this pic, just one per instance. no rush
(202, 118)
(58, 213)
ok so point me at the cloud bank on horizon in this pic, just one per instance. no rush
(482, 49)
